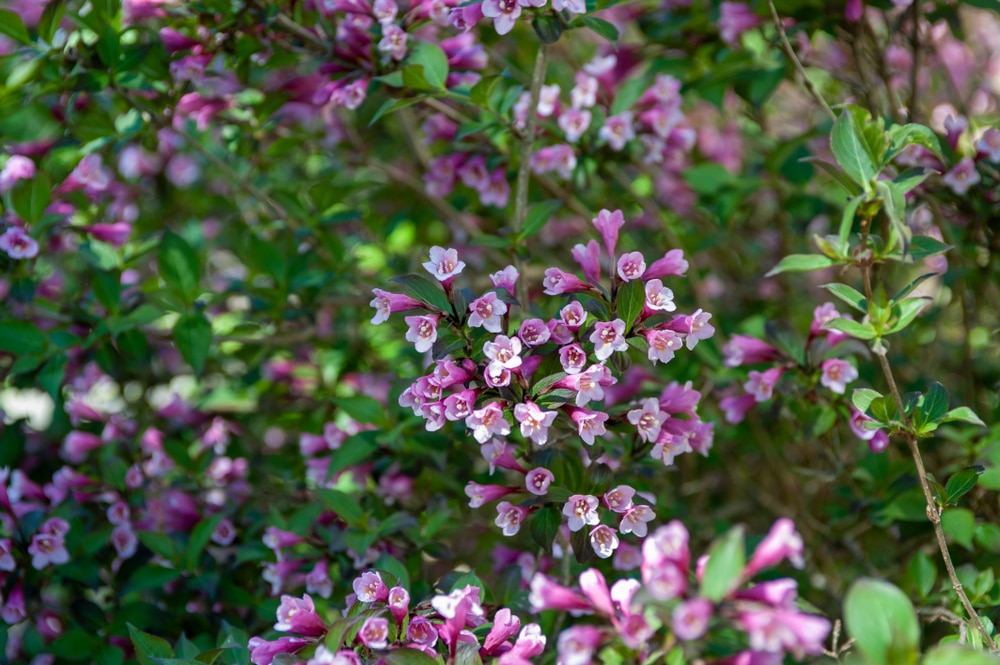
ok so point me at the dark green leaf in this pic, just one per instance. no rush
(193, 337)
(934, 404)
(923, 573)
(923, 246)
(631, 298)
(179, 266)
(908, 289)
(49, 23)
(901, 136)
(849, 295)
(30, 198)
(882, 622)
(50, 377)
(801, 263)
(148, 647)
(392, 105)
(366, 410)
(544, 526)
(344, 505)
(406, 656)
(21, 338)
(600, 26)
(157, 542)
(200, 537)
(482, 92)
(726, 560)
(537, 216)
(12, 26)
(963, 481)
(357, 449)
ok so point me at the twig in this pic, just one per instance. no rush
(915, 66)
(524, 167)
(790, 52)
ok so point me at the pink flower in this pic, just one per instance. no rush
(486, 312)
(573, 315)
(662, 345)
(17, 168)
(581, 509)
(318, 580)
(619, 499)
(648, 419)
(877, 439)
(988, 146)
(459, 405)
(17, 244)
(422, 632)
(690, 618)
(557, 282)
(298, 615)
(576, 645)
(393, 41)
(496, 192)
(665, 561)
(505, 279)
(736, 408)
(324, 656)
(672, 264)
(604, 540)
(776, 630)
(837, 373)
(782, 542)
(7, 562)
(444, 264)
(634, 520)
(631, 266)
(422, 332)
(370, 588)
(124, 540)
(503, 352)
(735, 18)
(590, 424)
(962, 177)
(399, 603)
(761, 384)
(746, 350)
(510, 517)
(574, 122)
(386, 303)
(480, 495)
(535, 423)
(548, 595)
(589, 258)
(608, 223)
(572, 357)
(658, 297)
(537, 481)
(617, 131)
(374, 633)
(595, 588)
(503, 12)
(534, 332)
(696, 327)
(505, 626)
(608, 337)
(47, 549)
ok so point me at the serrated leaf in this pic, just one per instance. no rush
(850, 151)
(852, 328)
(849, 295)
(882, 622)
(425, 291)
(193, 337)
(963, 414)
(963, 481)
(862, 398)
(631, 299)
(801, 263)
(537, 216)
(433, 60)
(12, 26)
(726, 561)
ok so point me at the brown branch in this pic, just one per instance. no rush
(790, 53)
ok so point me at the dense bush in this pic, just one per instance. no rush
(353, 331)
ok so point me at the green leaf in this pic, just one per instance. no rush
(393, 565)
(882, 622)
(901, 136)
(600, 26)
(852, 328)
(628, 94)
(862, 398)
(923, 246)
(631, 299)
(355, 450)
(366, 410)
(148, 647)
(910, 179)
(963, 481)
(200, 536)
(959, 524)
(49, 23)
(344, 505)
(923, 572)
(894, 205)
(30, 198)
(434, 62)
(482, 92)
(850, 151)
(179, 266)
(905, 311)
(709, 179)
(849, 185)
(544, 526)
(537, 216)
(726, 561)
(406, 656)
(425, 291)
(107, 287)
(21, 338)
(958, 655)
(847, 219)
(50, 377)
(963, 414)
(801, 263)
(193, 337)
(934, 403)
(392, 105)
(908, 289)
(159, 543)
(12, 26)
(849, 295)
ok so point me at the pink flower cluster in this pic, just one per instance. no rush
(765, 612)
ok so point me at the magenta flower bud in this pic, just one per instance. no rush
(370, 588)
(746, 350)
(608, 224)
(374, 633)
(782, 542)
(174, 41)
(399, 603)
(595, 588)
(505, 626)
(263, 652)
(77, 444)
(386, 303)
(276, 538)
(690, 618)
(479, 495)
(124, 540)
(672, 264)
(735, 18)
(777, 593)
(13, 610)
(557, 282)
(530, 642)
(298, 615)
(548, 595)
(588, 256)
(854, 10)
